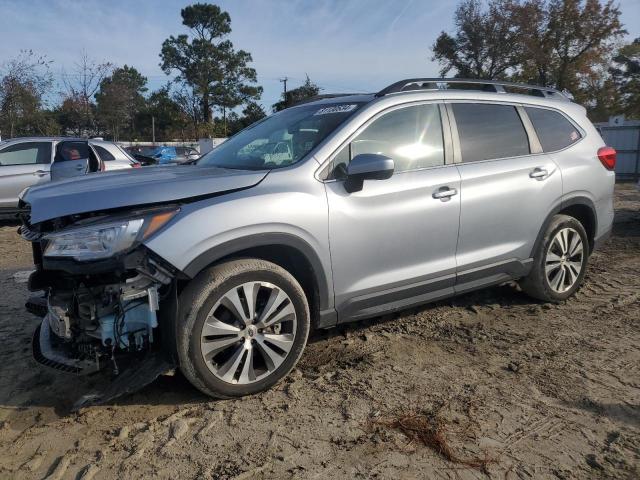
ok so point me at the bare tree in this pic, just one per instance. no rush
(80, 86)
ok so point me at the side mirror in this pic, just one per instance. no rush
(367, 166)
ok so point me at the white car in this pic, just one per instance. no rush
(113, 155)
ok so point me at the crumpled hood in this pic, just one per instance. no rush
(133, 187)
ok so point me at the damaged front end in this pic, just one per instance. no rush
(100, 294)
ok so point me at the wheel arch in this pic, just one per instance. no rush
(286, 250)
(582, 209)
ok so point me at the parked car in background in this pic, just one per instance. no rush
(34, 160)
(25, 162)
(163, 155)
(324, 213)
(113, 155)
(136, 153)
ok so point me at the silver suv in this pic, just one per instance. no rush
(328, 212)
(28, 161)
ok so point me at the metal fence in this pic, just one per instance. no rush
(626, 140)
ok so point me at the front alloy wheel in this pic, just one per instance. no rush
(249, 333)
(242, 326)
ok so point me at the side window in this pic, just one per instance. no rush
(104, 154)
(554, 131)
(490, 131)
(411, 136)
(28, 153)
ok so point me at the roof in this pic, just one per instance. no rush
(56, 139)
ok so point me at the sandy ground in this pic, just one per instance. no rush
(503, 386)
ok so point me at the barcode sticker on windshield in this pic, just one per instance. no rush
(336, 109)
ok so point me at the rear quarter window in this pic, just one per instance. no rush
(554, 131)
(105, 154)
(489, 131)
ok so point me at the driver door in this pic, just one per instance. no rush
(73, 158)
(393, 243)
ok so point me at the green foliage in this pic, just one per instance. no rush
(297, 95)
(170, 120)
(625, 73)
(548, 42)
(207, 63)
(25, 82)
(486, 43)
(119, 99)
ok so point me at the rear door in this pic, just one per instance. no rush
(73, 158)
(22, 165)
(508, 187)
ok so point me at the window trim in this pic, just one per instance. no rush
(532, 137)
(447, 141)
(580, 130)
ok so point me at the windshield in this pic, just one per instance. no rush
(281, 139)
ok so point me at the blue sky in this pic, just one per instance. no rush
(343, 45)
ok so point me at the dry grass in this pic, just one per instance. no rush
(430, 429)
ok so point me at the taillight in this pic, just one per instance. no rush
(607, 156)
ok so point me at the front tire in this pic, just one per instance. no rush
(242, 326)
(560, 261)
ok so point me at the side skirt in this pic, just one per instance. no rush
(414, 294)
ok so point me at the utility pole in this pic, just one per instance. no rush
(153, 128)
(284, 81)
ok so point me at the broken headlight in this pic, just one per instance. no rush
(103, 240)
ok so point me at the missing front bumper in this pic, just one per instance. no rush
(48, 353)
(137, 376)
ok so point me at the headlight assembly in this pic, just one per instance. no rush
(103, 240)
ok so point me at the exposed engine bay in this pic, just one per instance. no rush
(100, 316)
(98, 324)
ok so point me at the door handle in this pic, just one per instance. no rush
(444, 193)
(80, 167)
(539, 173)
(40, 173)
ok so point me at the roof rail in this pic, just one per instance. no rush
(498, 86)
(324, 96)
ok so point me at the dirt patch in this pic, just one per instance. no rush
(544, 391)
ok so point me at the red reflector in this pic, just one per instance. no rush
(607, 156)
(136, 165)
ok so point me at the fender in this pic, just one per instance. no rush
(562, 204)
(261, 240)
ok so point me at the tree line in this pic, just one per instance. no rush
(567, 44)
(214, 91)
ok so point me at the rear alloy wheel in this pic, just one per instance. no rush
(564, 259)
(242, 327)
(559, 262)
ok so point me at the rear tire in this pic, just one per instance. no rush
(242, 326)
(559, 262)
